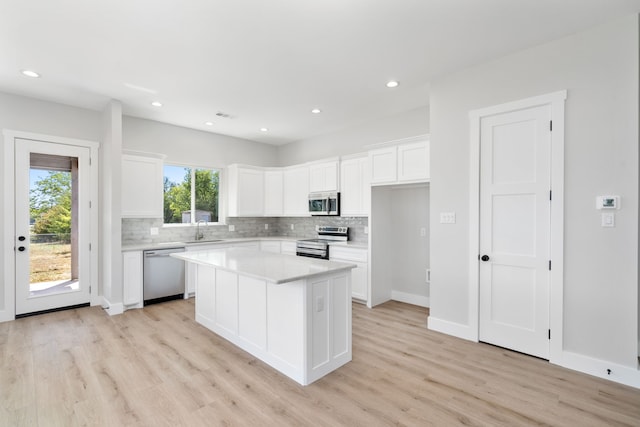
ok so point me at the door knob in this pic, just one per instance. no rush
(21, 248)
(485, 257)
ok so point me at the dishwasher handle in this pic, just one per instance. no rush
(162, 253)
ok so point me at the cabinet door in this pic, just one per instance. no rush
(270, 246)
(141, 190)
(296, 191)
(287, 247)
(359, 282)
(383, 164)
(132, 278)
(354, 185)
(359, 275)
(273, 193)
(246, 192)
(323, 177)
(413, 162)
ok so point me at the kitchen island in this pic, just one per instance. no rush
(293, 313)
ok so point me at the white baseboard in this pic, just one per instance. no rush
(598, 368)
(451, 328)
(112, 309)
(414, 299)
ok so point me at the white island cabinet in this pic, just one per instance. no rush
(293, 313)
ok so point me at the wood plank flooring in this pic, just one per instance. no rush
(157, 367)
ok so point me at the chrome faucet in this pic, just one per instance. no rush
(199, 235)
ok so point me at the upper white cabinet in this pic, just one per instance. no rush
(245, 190)
(296, 191)
(402, 162)
(142, 186)
(323, 176)
(355, 193)
(273, 192)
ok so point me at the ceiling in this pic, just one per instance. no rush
(268, 63)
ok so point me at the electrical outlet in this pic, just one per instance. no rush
(423, 232)
(293, 227)
(232, 227)
(319, 304)
(447, 217)
(366, 230)
(608, 219)
(154, 231)
(266, 226)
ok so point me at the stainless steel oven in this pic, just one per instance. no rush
(319, 248)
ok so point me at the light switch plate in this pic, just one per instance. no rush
(608, 219)
(447, 217)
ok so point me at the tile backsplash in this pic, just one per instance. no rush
(138, 230)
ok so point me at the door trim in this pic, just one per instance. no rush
(8, 311)
(556, 100)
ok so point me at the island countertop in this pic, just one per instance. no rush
(272, 267)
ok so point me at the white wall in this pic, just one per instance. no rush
(188, 146)
(355, 139)
(399, 254)
(36, 116)
(410, 214)
(599, 68)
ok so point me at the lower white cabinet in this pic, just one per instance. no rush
(132, 279)
(360, 274)
(288, 247)
(270, 246)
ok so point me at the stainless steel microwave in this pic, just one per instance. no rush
(324, 203)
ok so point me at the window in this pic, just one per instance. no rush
(188, 190)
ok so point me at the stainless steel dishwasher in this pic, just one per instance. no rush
(163, 276)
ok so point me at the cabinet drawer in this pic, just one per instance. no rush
(347, 254)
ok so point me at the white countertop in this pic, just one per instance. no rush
(267, 266)
(167, 245)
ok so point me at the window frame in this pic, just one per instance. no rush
(221, 191)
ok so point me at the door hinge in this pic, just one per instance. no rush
(550, 125)
(550, 195)
(89, 204)
(549, 333)
(89, 161)
(549, 265)
(89, 246)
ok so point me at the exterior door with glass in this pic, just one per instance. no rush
(52, 226)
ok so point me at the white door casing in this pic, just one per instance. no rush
(514, 229)
(25, 303)
(509, 239)
(11, 139)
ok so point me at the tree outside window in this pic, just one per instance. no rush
(190, 194)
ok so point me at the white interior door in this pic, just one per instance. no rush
(515, 230)
(52, 225)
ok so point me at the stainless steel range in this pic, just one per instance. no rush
(319, 248)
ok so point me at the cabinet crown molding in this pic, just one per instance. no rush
(417, 138)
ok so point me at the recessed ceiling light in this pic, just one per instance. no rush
(316, 111)
(30, 73)
(208, 123)
(156, 104)
(263, 129)
(392, 83)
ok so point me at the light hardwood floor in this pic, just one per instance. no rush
(157, 367)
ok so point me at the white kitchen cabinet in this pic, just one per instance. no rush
(273, 192)
(413, 162)
(296, 191)
(245, 191)
(323, 176)
(384, 165)
(401, 163)
(270, 246)
(190, 271)
(355, 186)
(360, 274)
(287, 247)
(142, 186)
(132, 279)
